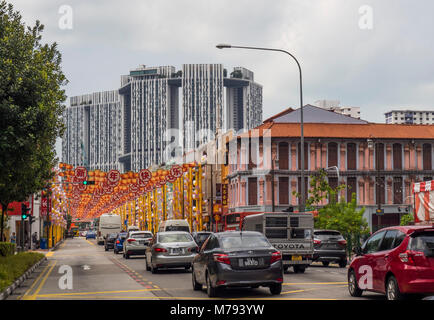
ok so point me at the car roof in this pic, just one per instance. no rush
(172, 232)
(409, 229)
(234, 232)
(326, 230)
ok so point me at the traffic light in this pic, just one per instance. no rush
(88, 182)
(24, 211)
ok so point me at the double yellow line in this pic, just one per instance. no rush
(44, 274)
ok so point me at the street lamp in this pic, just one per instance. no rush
(302, 187)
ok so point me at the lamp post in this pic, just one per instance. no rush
(302, 187)
(272, 182)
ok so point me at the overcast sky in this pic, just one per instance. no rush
(377, 64)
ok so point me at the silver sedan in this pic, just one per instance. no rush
(136, 243)
(173, 249)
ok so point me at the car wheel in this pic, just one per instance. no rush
(196, 286)
(299, 269)
(187, 268)
(105, 248)
(146, 264)
(210, 290)
(115, 251)
(392, 289)
(276, 288)
(285, 268)
(325, 263)
(127, 256)
(153, 269)
(254, 287)
(343, 263)
(353, 287)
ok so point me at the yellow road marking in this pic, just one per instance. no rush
(33, 297)
(294, 291)
(49, 254)
(90, 242)
(92, 293)
(34, 283)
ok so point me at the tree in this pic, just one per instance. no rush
(31, 106)
(407, 219)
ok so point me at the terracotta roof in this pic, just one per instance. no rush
(333, 130)
(286, 111)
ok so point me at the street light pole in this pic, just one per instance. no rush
(337, 172)
(302, 187)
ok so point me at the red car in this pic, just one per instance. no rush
(394, 261)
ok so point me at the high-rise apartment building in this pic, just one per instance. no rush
(333, 105)
(410, 117)
(139, 125)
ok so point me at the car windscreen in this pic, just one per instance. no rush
(322, 235)
(178, 228)
(112, 236)
(424, 242)
(176, 237)
(122, 235)
(244, 241)
(141, 235)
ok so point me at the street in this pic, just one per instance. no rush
(97, 274)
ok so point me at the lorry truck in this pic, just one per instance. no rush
(290, 233)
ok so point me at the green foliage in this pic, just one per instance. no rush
(7, 249)
(13, 267)
(31, 106)
(407, 219)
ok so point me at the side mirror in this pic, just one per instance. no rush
(358, 251)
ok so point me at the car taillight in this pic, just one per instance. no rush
(117, 241)
(160, 250)
(275, 256)
(342, 242)
(279, 279)
(223, 258)
(131, 240)
(408, 256)
(316, 241)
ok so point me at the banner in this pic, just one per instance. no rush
(424, 201)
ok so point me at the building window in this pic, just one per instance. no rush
(427, 156)
(283, 190)
(283, 156)
(351, 187)
(380, 190)
(351, 156)
(379, 156)
(397, 156)
(332, 153)
(253, 191)
(397, 190)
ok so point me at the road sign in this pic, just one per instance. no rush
(379, 211)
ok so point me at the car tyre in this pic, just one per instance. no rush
(210, 290)
(153, 269)
(325, 263)
(299, 269)
(196, 285)
(285, 269)
(353, 286)
(146, 265)
(105, 248)
(343, 263)
(276, 288)
(392, 289)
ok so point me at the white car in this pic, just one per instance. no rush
(136, 243)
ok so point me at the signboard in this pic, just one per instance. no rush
(379, 212)
(424, 201)
(225, 195)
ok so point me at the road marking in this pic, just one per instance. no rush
(90, 242)
(34, 283)
(49, 254)
(92, 293)
(294, 291)
(33, 296)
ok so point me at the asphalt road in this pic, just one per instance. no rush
(96, 274)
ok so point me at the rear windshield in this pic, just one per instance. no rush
(122, 235)
(112, 235)
(177, 237)
(141, 235)
(423, 241)
(202, 237)
(244, 241)
(177, 228)
(327, 234)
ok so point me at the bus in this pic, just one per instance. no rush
(232, 220)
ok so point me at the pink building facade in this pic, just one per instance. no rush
(377, 162)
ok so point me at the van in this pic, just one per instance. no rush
(174, 225)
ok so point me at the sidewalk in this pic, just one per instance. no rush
(44, 251)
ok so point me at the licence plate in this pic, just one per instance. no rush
(296, 258)
(176, 251)
(250, 262)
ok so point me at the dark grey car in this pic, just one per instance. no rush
(237, 259)
(329, 246)
(109, 241)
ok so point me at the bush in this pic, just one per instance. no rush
(13, 267)
(7, 249)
